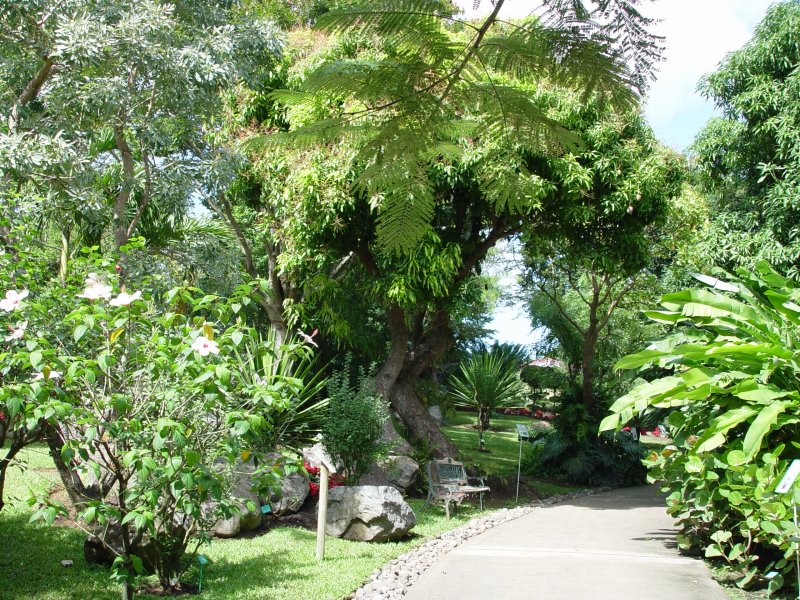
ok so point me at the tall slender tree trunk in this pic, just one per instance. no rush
(587, 357)
(64, 257)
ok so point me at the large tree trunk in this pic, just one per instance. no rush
(420, 424)
(587, 392)
(397, 378)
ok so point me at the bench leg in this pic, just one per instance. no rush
(480, 497)
(447, 507)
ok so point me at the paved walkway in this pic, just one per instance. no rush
(613, 545)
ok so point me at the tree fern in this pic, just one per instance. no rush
(405, 81)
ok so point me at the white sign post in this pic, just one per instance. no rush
(317, 456)
(523, 435)
(787, 485)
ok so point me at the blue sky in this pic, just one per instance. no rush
(699, 33)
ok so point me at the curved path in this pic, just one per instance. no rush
(613, 545)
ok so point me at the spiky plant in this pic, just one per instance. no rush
(486, 381)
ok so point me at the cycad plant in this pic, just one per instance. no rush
(486, 381)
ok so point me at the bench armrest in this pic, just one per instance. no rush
(481, 479)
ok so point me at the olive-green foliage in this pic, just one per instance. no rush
(544, 379)
(733, 383)
(749, 159)
(353, 428)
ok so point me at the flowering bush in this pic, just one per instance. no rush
(146, 406)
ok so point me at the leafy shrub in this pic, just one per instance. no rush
(353, 428)
(572, 451)
(733, 383)
(146, 408)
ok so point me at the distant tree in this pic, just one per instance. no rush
(109, 106)
(579, 275)
(749, 159)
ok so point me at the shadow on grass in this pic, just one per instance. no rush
(30, 563)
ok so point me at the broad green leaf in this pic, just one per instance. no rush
(79, 332)
(761, 425)
(634, 361)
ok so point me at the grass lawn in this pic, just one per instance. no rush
(501, 441)
(279, 565)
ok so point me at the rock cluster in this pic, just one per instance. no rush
(392, 580)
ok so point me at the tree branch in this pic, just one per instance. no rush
(121, 236)
(29, 93)
(472, 49)
(554, 299)
(147, 192)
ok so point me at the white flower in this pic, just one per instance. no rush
(205, 346)
(308, 339)
(51, 375)
(16, 334)
(124, 299)
(12, 300)
(95, 288)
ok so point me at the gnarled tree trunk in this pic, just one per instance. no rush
(408, 358)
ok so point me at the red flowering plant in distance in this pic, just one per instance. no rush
(334, 480)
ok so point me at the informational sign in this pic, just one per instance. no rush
(788, 479)
(523, 433)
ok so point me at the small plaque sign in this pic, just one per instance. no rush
(788, 479)
(522, 433)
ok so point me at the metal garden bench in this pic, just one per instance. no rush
(448, 482)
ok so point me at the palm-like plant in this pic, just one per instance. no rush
(486, 381)
(298, 421)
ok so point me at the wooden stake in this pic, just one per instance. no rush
(322, 511)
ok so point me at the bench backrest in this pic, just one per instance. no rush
(448, 471)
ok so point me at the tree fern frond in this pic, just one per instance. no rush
(512, 112)
(620, 24)
(405, 214)
(318, 132)
(402, 23)
(365, 79)
(561, 56)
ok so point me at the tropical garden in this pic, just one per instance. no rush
(232, 230)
